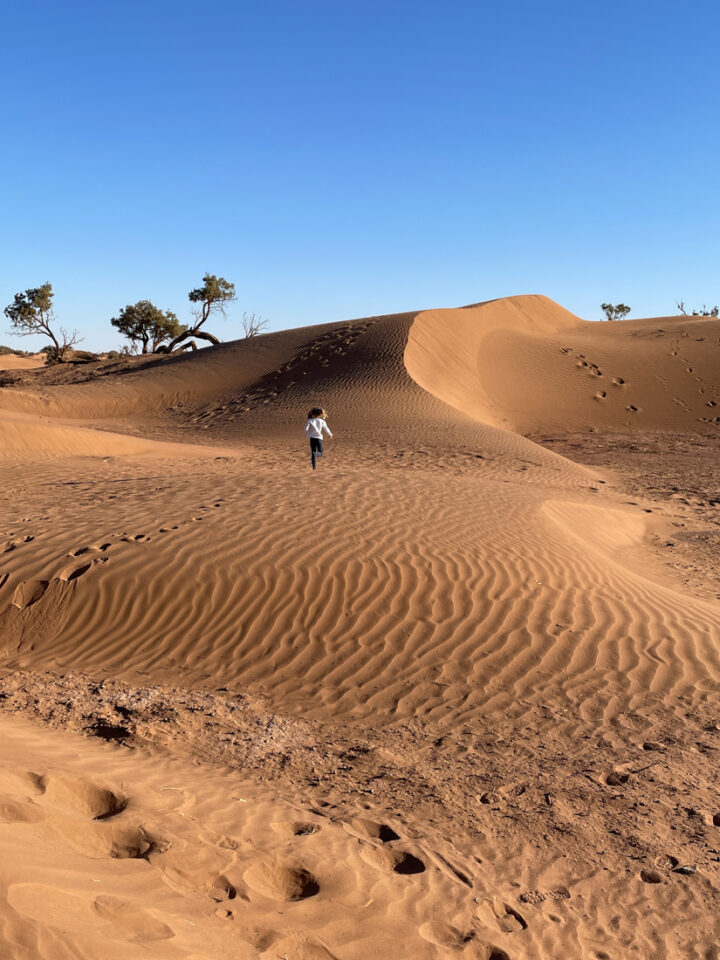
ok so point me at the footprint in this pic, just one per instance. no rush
(396, 860)
(295, 828)
(370, 830)
(114, 840)
(632, 408)
(29, 592)
(12, 811)
(74, 573)
(539, 896)
(600, 395)
(618, 382)
(16, 543)
(444, 935)
(507, 918)
(222, 889)
(83, 797)
(93, 548)
(281, 882)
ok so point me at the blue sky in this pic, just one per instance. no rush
(341, 159)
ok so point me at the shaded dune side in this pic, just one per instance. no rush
(526, 364)
(159, 383)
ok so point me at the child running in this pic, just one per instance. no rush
(314, 429)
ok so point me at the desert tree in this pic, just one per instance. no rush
(680, 304)
(615, 311)
(208, 300)
(146, 326)
(31, 314)
(252, 325)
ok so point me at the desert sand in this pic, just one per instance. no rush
(454, 694)
(14, 361)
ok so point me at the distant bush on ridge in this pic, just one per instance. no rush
(617, 311)
(703, 312)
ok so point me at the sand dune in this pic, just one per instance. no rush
(526, 364)
(31, 437)
(440, 577)
(13, 361)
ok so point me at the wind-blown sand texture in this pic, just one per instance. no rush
(445, 696)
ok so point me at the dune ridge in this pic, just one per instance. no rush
(440, 572)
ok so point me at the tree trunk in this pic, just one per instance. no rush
(187, 335)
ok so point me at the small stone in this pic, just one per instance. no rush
(652, 745)
(687, 869)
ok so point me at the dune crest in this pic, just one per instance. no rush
(452, 671)
(528, 365)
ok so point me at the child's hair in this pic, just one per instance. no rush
(317, 412)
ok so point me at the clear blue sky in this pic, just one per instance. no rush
(338, 159)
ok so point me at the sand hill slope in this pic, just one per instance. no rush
(526, 364)
(440, 572)
(441, 552)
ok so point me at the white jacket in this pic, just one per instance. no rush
(315, 426)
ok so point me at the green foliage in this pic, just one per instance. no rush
(146, 325)
(617, 311)
(212, 295)
(211, 298)
(31, 313)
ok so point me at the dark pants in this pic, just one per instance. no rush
(316, 449)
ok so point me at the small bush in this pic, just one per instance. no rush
(615, 311)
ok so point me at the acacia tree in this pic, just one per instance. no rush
(145, 324)
(617, 311)
(211, 298)
(31, 313)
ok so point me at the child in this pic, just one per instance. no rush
(314, 429)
